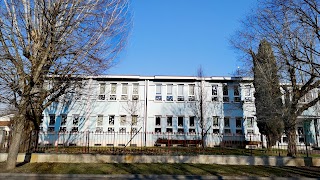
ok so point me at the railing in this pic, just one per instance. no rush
(154, 143)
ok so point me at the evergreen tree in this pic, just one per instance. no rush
(267, 93)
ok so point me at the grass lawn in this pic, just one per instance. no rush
(168, 169)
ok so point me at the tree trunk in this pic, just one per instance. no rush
(292, 147)
(15, 142)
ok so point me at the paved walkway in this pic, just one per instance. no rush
(21, 176)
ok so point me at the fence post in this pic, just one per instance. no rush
(306, 144)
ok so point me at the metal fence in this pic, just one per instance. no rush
(153, 143)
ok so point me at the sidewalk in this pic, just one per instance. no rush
(22, 176)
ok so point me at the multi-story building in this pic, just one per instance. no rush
(140, 110)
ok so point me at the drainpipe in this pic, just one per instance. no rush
(146, 84)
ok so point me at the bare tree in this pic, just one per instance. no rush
(199, 106)
(54, 41)
(292, 28)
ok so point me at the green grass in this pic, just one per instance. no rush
(167, 169)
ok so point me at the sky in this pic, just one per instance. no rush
(176, 37)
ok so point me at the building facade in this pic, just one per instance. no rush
(140, 110)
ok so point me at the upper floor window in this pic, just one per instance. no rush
(180, 92)
(225, 93)
(102, 91)
(135, 91)
(111, 120)
(191, 92)
(180, 121)
(250, 121)
(63, 120)
(124, 92)
(113, 92)
(158, 120)
(134, 120)
(236, 93)
(215, 121)
(214, 92)
(247, 90)
(169, 121)
(158, 92)
(226, 122)
(123, 119)
(169, 92)
(99, 127)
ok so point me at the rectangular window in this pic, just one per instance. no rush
(225, 90)
(169, 92)
(158, 120)
(63, 120)
(215, 131)
(238, 122)
(239, 131)
(134, 130)
(169, 130)
(113, 88)
(110, 129)
(215, 121)
(180, 92)
(135, 89)
(124, 92)
(300, 130)
(169, 121)
(100, 120)
(158, 92)
(236, 93)
(250, 121)
(52, 120)
(226, 122)
(192, 131)
(134, 120)
(180, 130)
(227, 131)
(111, 120)
(247, 90)
(191, 121)
(124, 88)
(122, 130)
(123, 119)
(180, 121)
(250, 131)
(76, 119)
(225, 93)
(102, 88)
(157, 130)
(214, 90)
(191, 89)
(50, 129)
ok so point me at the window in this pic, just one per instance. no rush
(300, 131)
(225, 90)
(226, 122)
(123, 119)
(63, 120)
(102, 91)
(169, 121)
(52, 119)
(158, 92)
(134, 130)
(225, 93)
(192, 131)
(113, 92)
(214, 89)
(215, 131)
(157, 130)
(75, 119)
(227, 131)
(250, 121)
(169, 130)
(124, 93)
(180, 121)
(63, 129)
(110, 129)
(99, 127)
(191, 121)
(236, 93)
(169, 92)
(250, 131)
(111, 120)
(135, 91)
(247, 91)
(191, 92)
(50, 129)
(158, 120)
(122, 130)
(239, 131)
(180, 92)
(215, 121)
(180, 130)
(134, 120)
(238, 122)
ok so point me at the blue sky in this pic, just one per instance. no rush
(175, 37)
